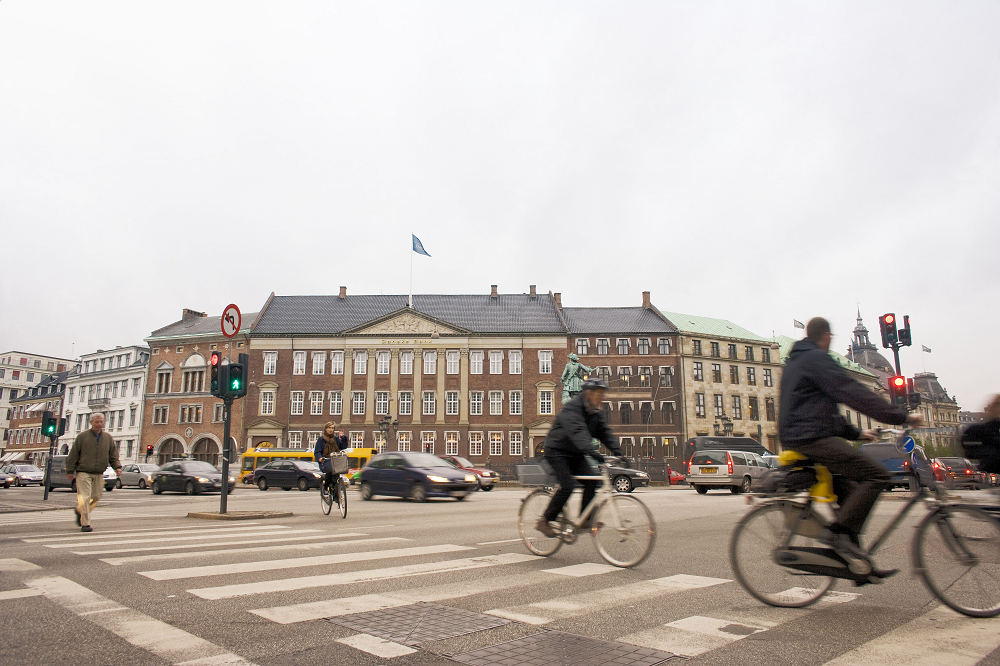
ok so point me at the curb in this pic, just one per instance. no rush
(239, 515)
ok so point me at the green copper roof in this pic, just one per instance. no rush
(786, 343)
(708, 326)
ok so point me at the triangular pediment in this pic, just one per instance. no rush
(407, 322)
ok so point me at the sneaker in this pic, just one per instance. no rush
(857, 559)
(546, 528)
(86, 528)
(876, 577)
(77, 512)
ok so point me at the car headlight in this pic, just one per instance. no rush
(642, 475)
(470, 478)
(317, 475)
(437, 479)
(201, 480)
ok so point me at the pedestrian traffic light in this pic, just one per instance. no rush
(50, 424)
(236, 379)
(905, 340)
(62, 427)
(887, 324)
(897, 390)
(218, 390)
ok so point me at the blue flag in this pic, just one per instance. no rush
(418, 247)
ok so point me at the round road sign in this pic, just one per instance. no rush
(231, 320)
(908, 444)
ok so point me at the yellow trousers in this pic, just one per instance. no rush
(89, 488)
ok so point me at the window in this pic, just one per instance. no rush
(475, 403)
(381, 403)
(475, 362)
(357, 439)
(68, 399)
(430, 403)
(403, 441)
(496, 443)
(188, 414)
(337, 363)
(667, 411)
(451, 402)
(160, 415)
(623, 345)
(430, 362)
(379, 441)
(714, 347)
(319, 363)
(663, 345)
(625, 413)
(696, 347)
(737, 408)
(135, 385)
(769, 409)
(602, 346)
(514, 362)
(295, 440)
(382, 362)
(545, 402)
(336, 403)
(451, 361)
(270, 363)
(765, 355)
(217, 413)
(767, 377)
(545, 362)
(645, 413)
(360, 362)
(515, 402)
(315, 402)
(496, 362)
(358, 402)
(299, 363)
(192, 381)
(298, 400)
(734, 374)
(406, 403)
(427, 442)
(666, 376)
(475, 443)
(162, 384)
(642, 345)
(720, 408)
(406, 363)
(451, 443)
(751, 377)
(732, 351)
(748, 352)
(716, 373)
(754, 408)
(515, 439)
(699, 374)
(496, 402)
(582, 344)
(624, 374)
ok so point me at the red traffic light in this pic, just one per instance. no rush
(889, 319)
(149, 448)
(216, 358)
(898, 382)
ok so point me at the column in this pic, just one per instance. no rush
(442, 362)
(393, 383)
(463, 392)
(345, 419)
(418, 375)
(370, 391)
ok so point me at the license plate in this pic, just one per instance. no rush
(709, 470)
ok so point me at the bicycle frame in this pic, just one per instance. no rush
(604, 491)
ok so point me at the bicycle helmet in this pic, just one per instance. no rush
(594, 384)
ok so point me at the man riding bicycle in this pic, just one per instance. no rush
(326, 445)
(569, 443)
(812, 385)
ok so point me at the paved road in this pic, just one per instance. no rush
(150, 586)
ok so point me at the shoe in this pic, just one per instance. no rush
(546, 528)
(86, 528)
(77, 512)
(876, 577)
(857, 559)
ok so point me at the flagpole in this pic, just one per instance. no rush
(410, 301)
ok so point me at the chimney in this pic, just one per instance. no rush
(191, 314)
(531, 291)
(557, 297)
(493, 291)
(343, 292)
(645, 301)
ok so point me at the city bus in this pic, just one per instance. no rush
(262, 455)
(358, 458)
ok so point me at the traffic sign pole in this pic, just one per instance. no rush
(230, 322)
(227, 411)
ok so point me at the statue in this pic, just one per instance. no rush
(572, 377)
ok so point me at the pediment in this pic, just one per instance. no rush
(266, 424)
(407, 322)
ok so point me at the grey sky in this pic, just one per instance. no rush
(751, 161)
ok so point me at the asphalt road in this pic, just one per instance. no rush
(151, 586)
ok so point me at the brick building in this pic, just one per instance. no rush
(180, 417)
(20, 371)
(25, 440)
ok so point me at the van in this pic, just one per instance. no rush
(704, 442)
(739, 471)
(57, 477)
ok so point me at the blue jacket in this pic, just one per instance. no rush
(338, 443)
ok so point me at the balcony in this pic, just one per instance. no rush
(97, 404)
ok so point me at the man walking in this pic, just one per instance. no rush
(93, 451)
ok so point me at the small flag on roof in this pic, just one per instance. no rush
(926, 349)
(418, 247)
(798, 324)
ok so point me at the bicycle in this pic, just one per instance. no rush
(338, 493)
(623, 528)
(778, 555)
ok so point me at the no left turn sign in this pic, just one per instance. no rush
(231, 320)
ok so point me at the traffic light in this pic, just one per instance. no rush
(236, 379)
(62, 427)
(912, 397)
(897, 390)
(149, 451)
(218, 390)
(50, 424)
(905, 340)
(887, 324)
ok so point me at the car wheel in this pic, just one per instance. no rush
(73, 485)
(189, 488)
(701, 490)
(366, 491)
(486, 489)
(142, 484)
(303, 484)
(109, 487)
(17, 482)
(118, 483)
(418, 493)
(746, 484)
(461, 496)
(622, 484)
(262, 483)
(736, 490)
(286, 487)
(156, 488)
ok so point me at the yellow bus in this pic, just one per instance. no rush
(358, 458)
(260, 456)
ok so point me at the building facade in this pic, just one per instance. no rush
(942, 425)
(180, 417)
(25, 440)
(20, 371)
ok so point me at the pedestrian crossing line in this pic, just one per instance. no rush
(60, 516)
(298, 562)
(584, 603)
(12, 564)
(130, 559)
(348, 578)
(167, 642)
(376, 646)
(204, 538)
(490, 543)
(19, 594)
(138, 530)
(152, 537)
(586, 569)
(936, 637)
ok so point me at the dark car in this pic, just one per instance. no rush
(414, 475)
(485, 477)
(626, 479)
(189, 476)
(898, 463)
(58, 478)
(961, 473)
(285, 474)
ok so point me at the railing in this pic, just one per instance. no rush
(99, 403)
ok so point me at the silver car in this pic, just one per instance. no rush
(738, 471)
(137, 474)
(25, 475)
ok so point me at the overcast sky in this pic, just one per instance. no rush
(757, 162)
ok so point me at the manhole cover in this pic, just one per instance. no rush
(418, 623)
(555, 648)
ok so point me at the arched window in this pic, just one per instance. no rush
(207, 450)
(169, 450)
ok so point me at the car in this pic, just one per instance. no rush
(6, 479)
(898, 463)
(58, 478)
(417, 476)
(674, 476)
(485, 477)
(626, 479)
(188, 476)
(137, 474)
(962, 474)
(285, 474)
(354, 476)
(772, 461)
(24, 474)
(737, 471)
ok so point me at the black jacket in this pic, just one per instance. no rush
(982, 442)
(324, 448)
(812, 384)
(575, 427)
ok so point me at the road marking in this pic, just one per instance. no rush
(189, 546)
(936, 637)
(159, 538)
(12, 564)
(285, 546)
(330, 580)
(297, 562)
(832, 597)
(490, 543)
(587, 569)
(376, 646)
(18, 594)
(38, 538)
(60, 516)
(171, 644)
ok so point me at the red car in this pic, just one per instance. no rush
(485, 477)
(674, 476)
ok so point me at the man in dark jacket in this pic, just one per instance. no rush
(569, 443)
(812, 385)
(981, 441)
(93, 451)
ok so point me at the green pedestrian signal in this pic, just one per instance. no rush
(50, 424)
(236, 377)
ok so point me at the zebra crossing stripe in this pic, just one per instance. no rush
(211, 544)
(586, 569)
(145, 532)
(159, 538)
(19, 594)
(325, 545)
(138, 530)
(377, 646)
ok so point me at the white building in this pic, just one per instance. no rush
(113, 383)
(19, 371)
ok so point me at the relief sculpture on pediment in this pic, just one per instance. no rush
(403, 325)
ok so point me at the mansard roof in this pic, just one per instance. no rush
(615, 320)
(722, 328)
(201, 326)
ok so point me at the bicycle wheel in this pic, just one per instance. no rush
(624, 530)
(325, 497)
(532, 508)
(342, 496)
(751, 552)
(957, 552)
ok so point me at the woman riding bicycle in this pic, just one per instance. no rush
(326, 445)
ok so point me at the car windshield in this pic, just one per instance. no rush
(463, 462)
(953, 462)
(27, 468)
(709, 458)
(200, 466)
(424, 460)
(148, 468)
(308, 466)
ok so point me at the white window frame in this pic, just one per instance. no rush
(295, 439)
(267, 403)
(514, 362)
(316, 402)
(475, 444)
(358, 403)
(382, 360)
(404, 440)
(381, 403)
(669, 447)
(336, 363)
(628, 346)
(379, 440)
(476, 362)
(515, 403)
(496, 443)
(451, 443)
(405, 403)
(297, 402)
(496, 403)
(515, 439)
(357, 439)
(545, 403)
(451, 403)
(319, 363)
(313, 438)
(427, 437)
(496, 362)
(299, 363)
(406, 362)
(336, 399)
(544, 361)
(428, 401)
(452, 359)
(582, 346)
(270, 363)
(360, 362)
(430, 359)
(475, 403)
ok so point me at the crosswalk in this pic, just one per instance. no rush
(216, 563)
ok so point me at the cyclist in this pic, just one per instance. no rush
(981, 442)
(327, 444)
(812, 384)
(569, 443)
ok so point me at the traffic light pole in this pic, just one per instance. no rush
(895, 353)
(48, 467)
(226, 450)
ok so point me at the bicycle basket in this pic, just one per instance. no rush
(535, 474)
(787, 480)
(339, 463)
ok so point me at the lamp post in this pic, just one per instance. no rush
(387, 424)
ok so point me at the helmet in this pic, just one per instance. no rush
(594, 384)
